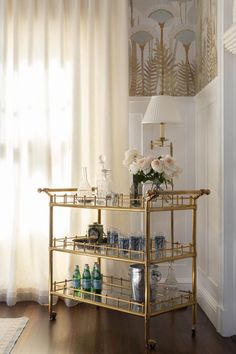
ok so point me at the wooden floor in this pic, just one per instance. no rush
(84, 329)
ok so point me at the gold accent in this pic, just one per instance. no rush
(75, 245)
(186, 76)
(162, 142)
(207, 44)
(194, 269)
(116, 293)
(162, 59)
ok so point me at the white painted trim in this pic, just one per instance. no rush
(139, 98)
(208, 304)
(217, 298)
(208, 109)
(138, 104)
(227, 285)
(220, 31)
(208, 95)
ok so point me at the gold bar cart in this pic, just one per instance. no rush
(116, 293)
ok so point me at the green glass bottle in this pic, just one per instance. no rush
(76, 279)
(92, 275)
(97, 279)
(86, 278)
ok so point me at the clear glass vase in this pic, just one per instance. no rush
(171, 283)
(84, 190)
(135, 193)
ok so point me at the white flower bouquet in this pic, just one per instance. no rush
(158, 170)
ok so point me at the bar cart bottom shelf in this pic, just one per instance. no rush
(116, 295)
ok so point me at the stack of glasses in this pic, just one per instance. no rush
(124, 243)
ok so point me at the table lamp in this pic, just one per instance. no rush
(162, 110)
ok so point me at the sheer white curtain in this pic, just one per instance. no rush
(63, 101)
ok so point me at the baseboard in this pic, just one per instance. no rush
(208, 304)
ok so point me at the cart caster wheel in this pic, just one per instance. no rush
(151, 345)
(52, 316)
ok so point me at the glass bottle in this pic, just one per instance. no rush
(97, 279)
(103, 185)
(171, 283)
(103, 181)
(92, 274)
(86, 278)
(76, 279)
(135, 193)
(84, 189)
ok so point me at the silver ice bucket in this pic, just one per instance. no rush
(137, 279)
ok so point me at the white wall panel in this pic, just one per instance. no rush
(208, 172)
(227, 323)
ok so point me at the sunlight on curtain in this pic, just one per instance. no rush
(63, 102)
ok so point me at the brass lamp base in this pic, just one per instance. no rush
(158, 143)
(162, 142)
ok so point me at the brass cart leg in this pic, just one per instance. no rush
(147, 331)
(52, 314)
(99, 258)
(194, 307)
(99, 222)
(194, 274)
(194, 316)
(150, 344)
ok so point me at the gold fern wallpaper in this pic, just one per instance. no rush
(172, 46)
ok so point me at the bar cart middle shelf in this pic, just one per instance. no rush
(116, 292)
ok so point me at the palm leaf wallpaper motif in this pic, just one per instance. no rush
(186, 76)
(172, 46)
(151, 76)
(165, 69)
(206, 41)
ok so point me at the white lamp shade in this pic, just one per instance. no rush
(161, 109)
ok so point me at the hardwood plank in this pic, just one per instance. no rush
(84, 329)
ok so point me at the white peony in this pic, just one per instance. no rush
(173, 172)
(145, 164)
(169, 162)
(134, 168)
(131, 156)
(162, 169)
(158, 165)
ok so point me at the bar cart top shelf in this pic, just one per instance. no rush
(154, 200)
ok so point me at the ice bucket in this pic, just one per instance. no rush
(137, 279)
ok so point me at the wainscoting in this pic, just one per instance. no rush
(204, 147)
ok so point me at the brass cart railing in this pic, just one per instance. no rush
(116, 293)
